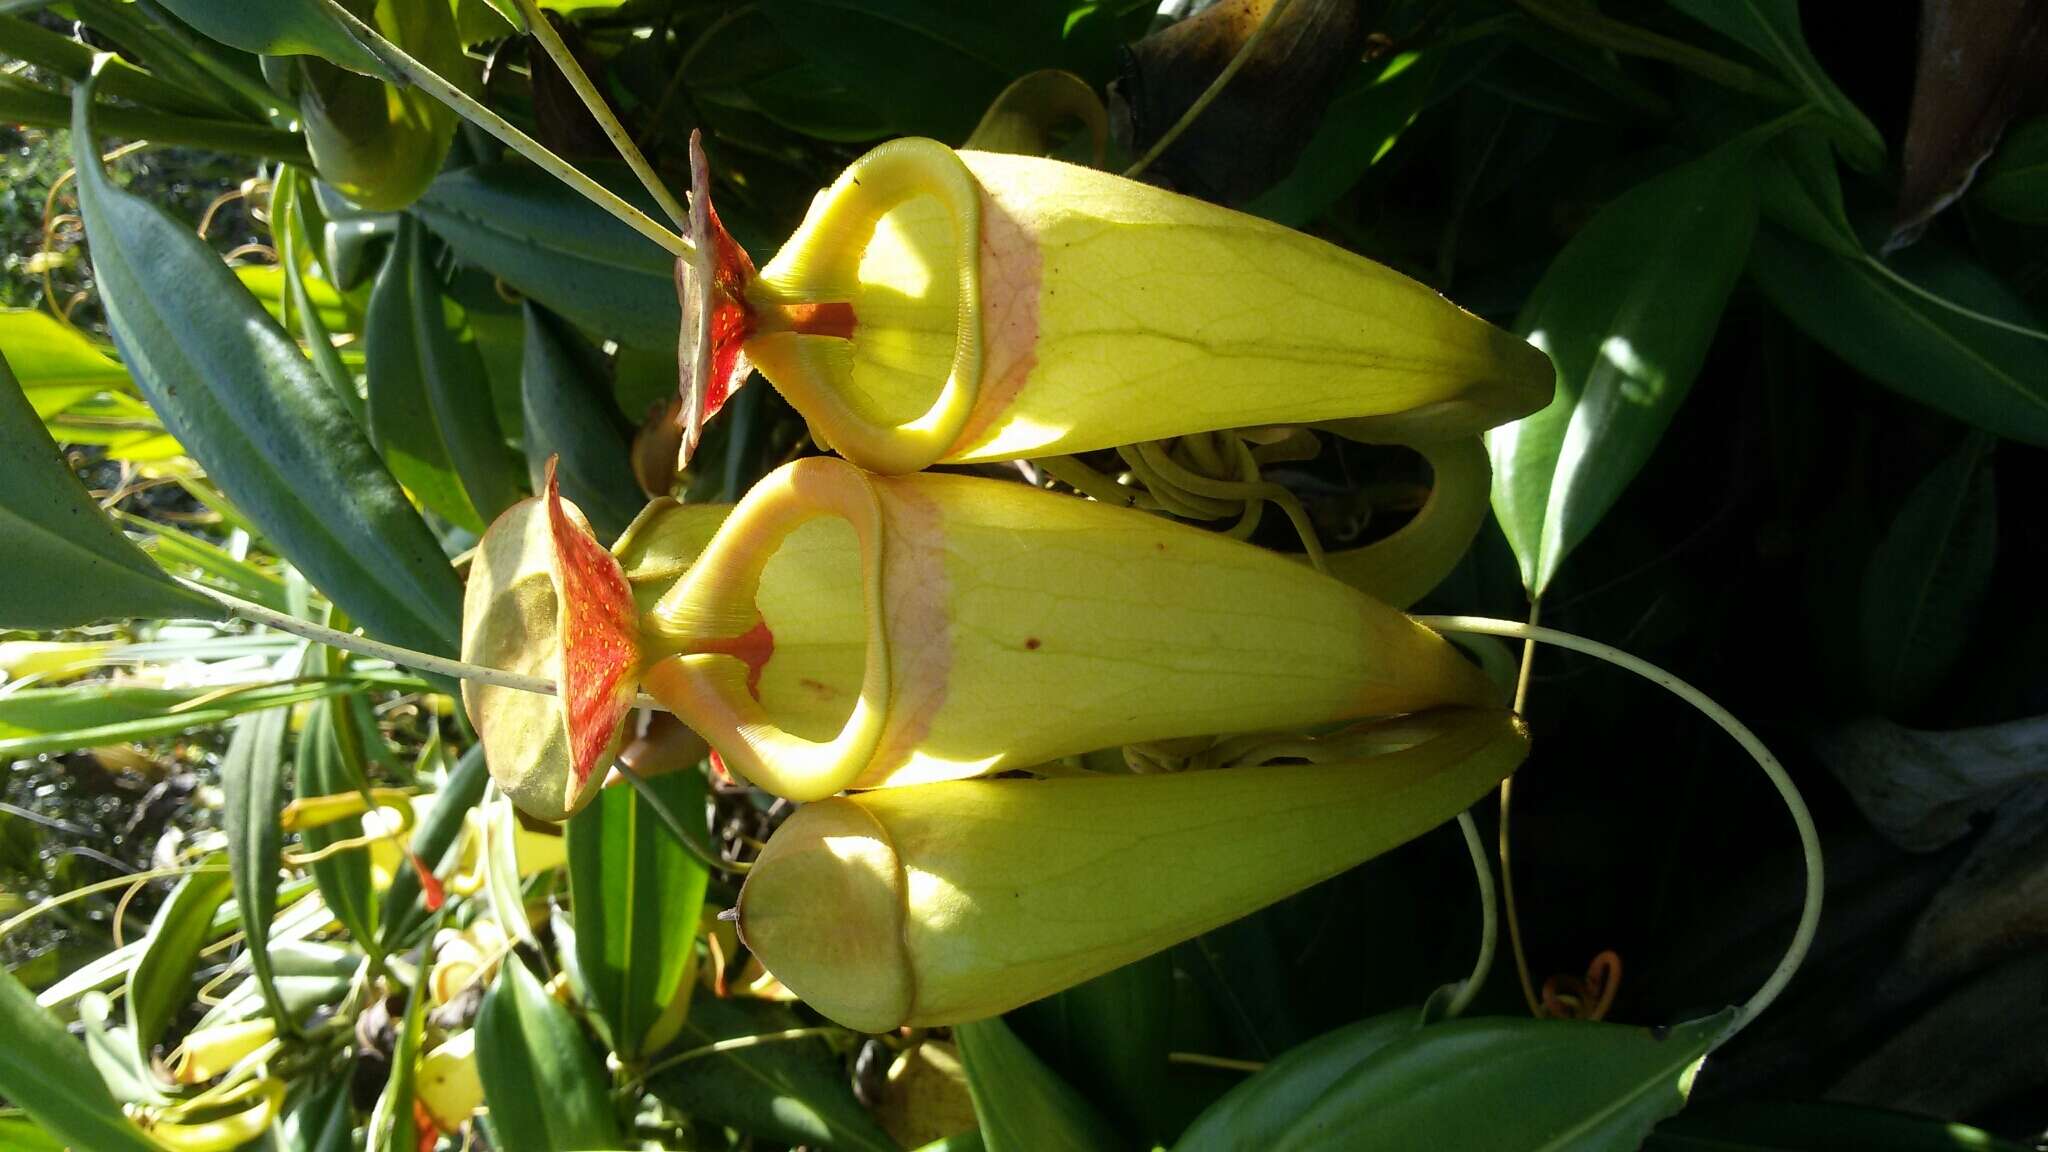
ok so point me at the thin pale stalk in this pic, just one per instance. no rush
(440, 88)
(1795, 805)
(558, 51)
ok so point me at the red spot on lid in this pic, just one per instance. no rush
(600, 630)
(1031, 643)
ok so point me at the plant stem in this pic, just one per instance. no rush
(1795, 805)
(1209, 94)
(375, 649)
(1489, 924)
(440, 88)
(105, 886)
(551, 41)
(1507, 803)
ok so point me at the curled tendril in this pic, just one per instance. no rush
(1206, 476)
(1573, 998)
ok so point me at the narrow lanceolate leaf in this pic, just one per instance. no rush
(637, 893)
(1770, 28)
(1479, 1085)
(279, 28)
(45, 1072)
(1626, 312)
(252, 784)
(38, 720)
(1024, 1106)
(570, 415)
(161, 983)
(67, 563)
(1928, 576)
(54, 363)
(344, 878)
(553, 245)
(238, 393)
(1882, 322)
(544, 1087)
(430, 402)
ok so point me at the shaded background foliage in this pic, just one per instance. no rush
(1812, 492)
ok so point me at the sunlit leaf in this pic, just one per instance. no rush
(429, 403)
(636, 893)
(546, 1091)
(241, 396)
(55, 364)
(68, 565)
(547, 241)
(161, 984)
(252, 785)
(1024, 1106)
(1626, 312)
(278, 28)
(45, 1072)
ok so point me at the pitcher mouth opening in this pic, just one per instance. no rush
(801, 712)
(869, 319)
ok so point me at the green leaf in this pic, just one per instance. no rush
(1879, 318)
(434, 838)
(1775, 1126)
(20, 1133)
(637, 894)
(68, 564)
(1478, 1085)
(394, 1126)
(2015, 183)
(317, 1118)
(55, 364)
(1626, 312)
(569, 413)
(1111, 1036)
(1022, 1105)
(292, 214)
(38, 720)
(43, 1071)
(279, 28)
(1770, 28)
(430, 405)
(161, 983)
(546, 1091)
(252, 787)
(547, 241)
(1364, 120)
(322, 770)
(241, 397)
(1259, 1112)
(793, 1091)
(1928, 576)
